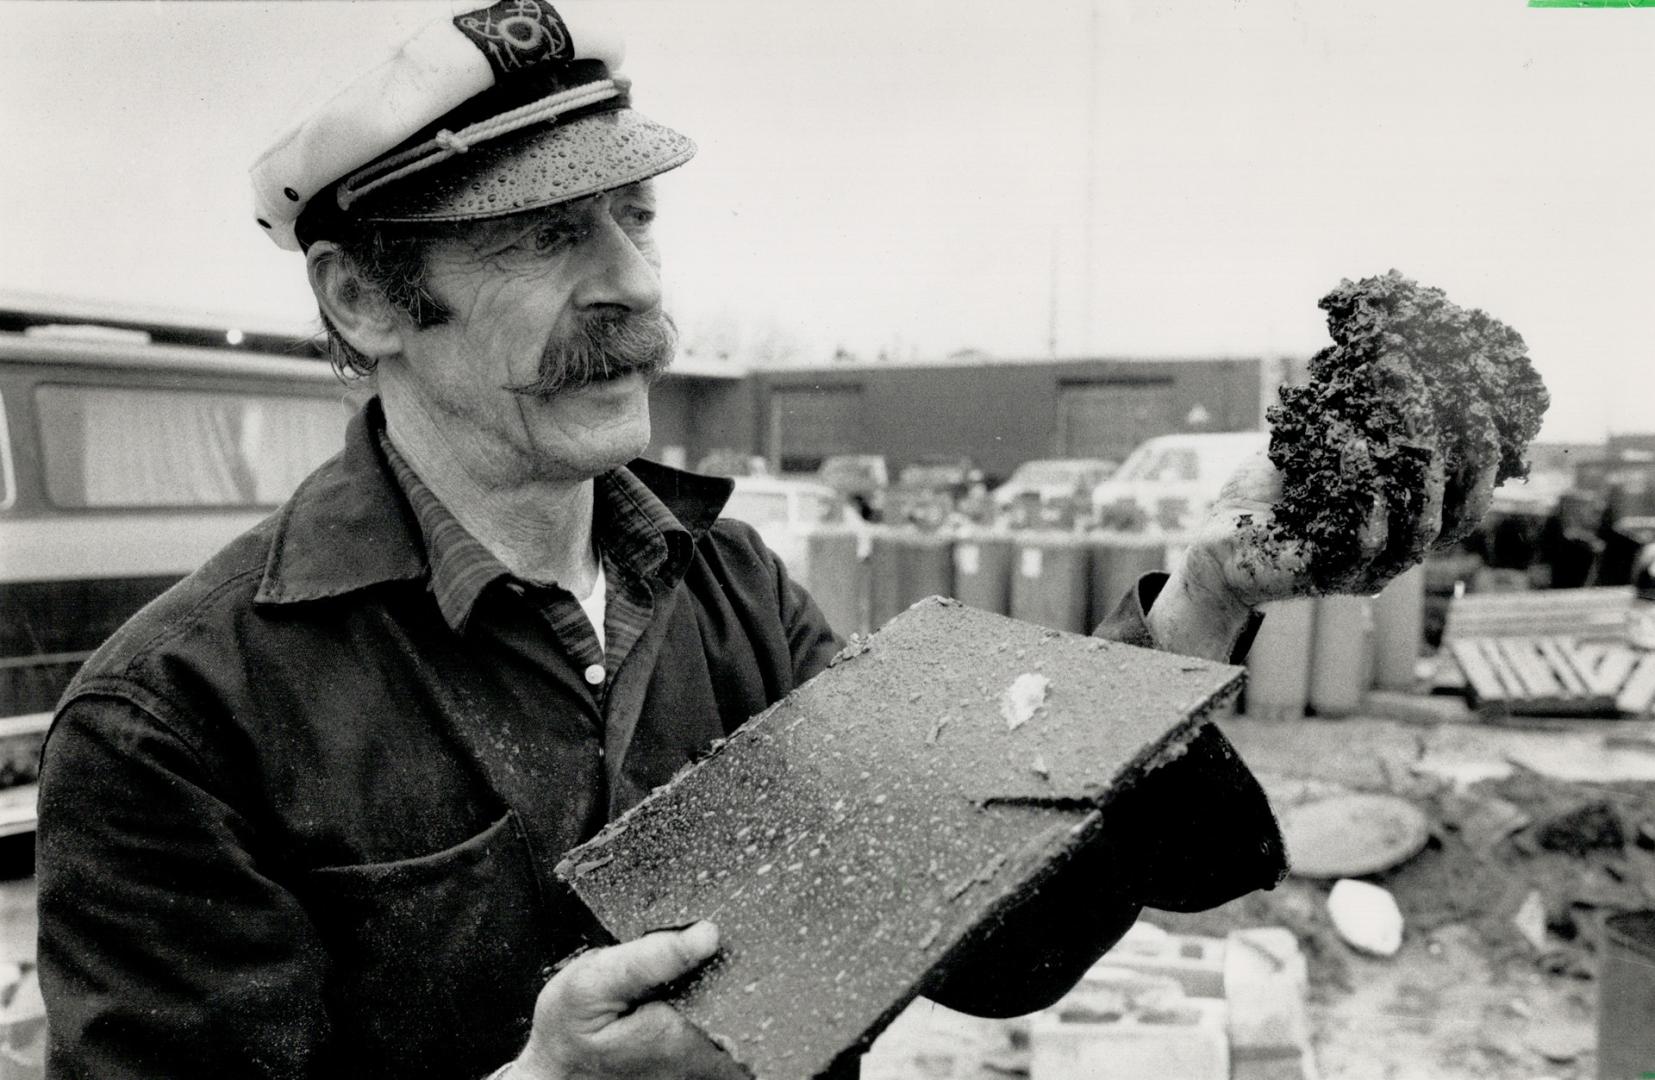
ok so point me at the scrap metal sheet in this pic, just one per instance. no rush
(846, 840)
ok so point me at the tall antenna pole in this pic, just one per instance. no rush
(1051, 309)
(1089, 215)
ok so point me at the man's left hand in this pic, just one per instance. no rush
(1229, 570)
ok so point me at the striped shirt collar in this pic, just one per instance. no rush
(640, 537)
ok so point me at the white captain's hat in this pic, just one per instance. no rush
(496, 110)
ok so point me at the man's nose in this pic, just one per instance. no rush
(618, 273)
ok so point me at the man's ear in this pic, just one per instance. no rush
(356, 310)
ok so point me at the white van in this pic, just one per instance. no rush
(1169, 482)
(786, 510)
(123, 466)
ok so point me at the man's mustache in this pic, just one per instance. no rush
(605, 346)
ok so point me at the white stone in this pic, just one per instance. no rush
(1530, 921)
(1366, 916)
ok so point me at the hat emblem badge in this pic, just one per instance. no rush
(516, 34)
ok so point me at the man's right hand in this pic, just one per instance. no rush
(598, 1017)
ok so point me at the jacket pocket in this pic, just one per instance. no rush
(435, 961)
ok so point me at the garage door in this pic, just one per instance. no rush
(1108, 418)
(807, 423)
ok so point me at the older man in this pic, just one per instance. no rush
(298, 817)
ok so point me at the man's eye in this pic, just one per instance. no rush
(550, 238)
(637, 217)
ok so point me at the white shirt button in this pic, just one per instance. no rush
(593, 674)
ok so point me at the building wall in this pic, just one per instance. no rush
(998, 414)
(692, 415)
(1643, 442)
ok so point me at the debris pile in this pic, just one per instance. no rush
(1587, 852)
(1411, 384)
(1531, 864)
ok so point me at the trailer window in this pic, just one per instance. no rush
(125, 447)
(8, 474)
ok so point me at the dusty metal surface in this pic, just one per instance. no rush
(847, 839)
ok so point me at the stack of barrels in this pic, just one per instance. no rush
(1317, 655)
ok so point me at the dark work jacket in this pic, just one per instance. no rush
(293, 825)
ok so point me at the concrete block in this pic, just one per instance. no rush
(1185, 1040)
(931, 1041)
(890, 812)
(1265, 982)
(1110, 989)
(22, 1027)
(1196, 963)
(1294, 1066)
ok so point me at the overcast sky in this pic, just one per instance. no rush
(913, 177)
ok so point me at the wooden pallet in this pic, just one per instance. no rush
(1574, 613)
(1555, 676)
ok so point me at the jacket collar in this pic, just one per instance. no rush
(348, 526)
(695, 500)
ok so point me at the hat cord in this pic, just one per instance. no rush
(446, 144)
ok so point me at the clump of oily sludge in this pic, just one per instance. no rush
(1412, 384)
